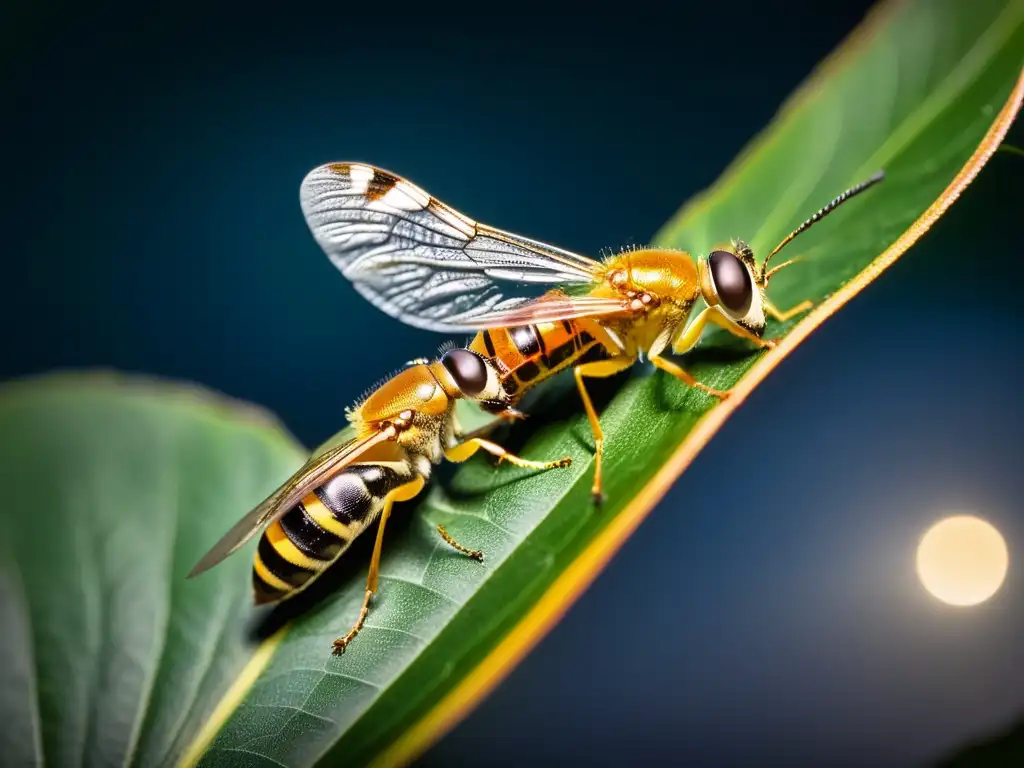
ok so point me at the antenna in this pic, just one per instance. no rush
(851, 192)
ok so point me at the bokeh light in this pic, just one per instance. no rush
(962, 560)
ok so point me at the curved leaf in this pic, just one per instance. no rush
(915, 91)
(112, 488)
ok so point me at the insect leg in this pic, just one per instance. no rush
(401, 493)
(467, 448)
(507, 415)
(784, 315)
(476, 554)
(669, 367)
(689, 336)
(688, 339)
(598, 369)
(462, 451)
(722, 320)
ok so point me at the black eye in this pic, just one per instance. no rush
(732, 281)
(468, 370)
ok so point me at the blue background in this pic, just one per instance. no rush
(151, 224)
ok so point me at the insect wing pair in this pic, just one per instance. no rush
(432, 267)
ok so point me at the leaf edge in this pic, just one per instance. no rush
(573, 581)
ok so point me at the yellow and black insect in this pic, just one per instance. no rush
(432, 267)
(402, 428)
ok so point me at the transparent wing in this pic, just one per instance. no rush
(421, 261)
(312, 474)
(548, 309)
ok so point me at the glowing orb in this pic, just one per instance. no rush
(962, 560)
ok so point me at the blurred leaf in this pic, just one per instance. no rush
(919, 90)
(112, 489)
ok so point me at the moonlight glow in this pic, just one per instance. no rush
(962, 560)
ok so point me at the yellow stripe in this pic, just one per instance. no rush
(268, 576)
(232, 698)
(322, 516)
(283, 546)
(582, 571)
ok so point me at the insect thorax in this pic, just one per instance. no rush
(427, 436)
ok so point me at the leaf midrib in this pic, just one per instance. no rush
(164, 619)
(960, 77)
(965, 73)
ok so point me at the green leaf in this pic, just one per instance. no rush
(113, 488)
(914, 92)
(925, 90)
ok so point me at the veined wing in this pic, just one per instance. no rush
(420, 260)
(314, 473)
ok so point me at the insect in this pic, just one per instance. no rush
(432, 267)
(402, 428)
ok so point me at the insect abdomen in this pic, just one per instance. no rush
(298, 546)
(530, 354)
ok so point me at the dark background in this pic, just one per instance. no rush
(151, 222)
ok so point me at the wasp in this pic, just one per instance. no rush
(432, 267)
(402, 428)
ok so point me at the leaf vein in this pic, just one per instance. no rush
(411, 583)
(314, 715)
(253, 752)
(173, 503)
(449, 510)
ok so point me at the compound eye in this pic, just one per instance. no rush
(732, 281)
(468, 369)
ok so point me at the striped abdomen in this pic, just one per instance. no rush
(298, 546)
(526, 355)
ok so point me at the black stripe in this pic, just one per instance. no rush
(310, 538)
(543, 346)
(568, 327)
(510, 385)
(488, 343)
(263, 592)
(527, 372)
(562, 353)
(526, 339)
(288, 572)
(346, 498)
(596, 352)
(351, 495)
(380, 481)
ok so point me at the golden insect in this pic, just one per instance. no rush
(432, 267)
(402, 428)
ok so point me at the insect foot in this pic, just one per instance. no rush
(473, 554)
(721, 394)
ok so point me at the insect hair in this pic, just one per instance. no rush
(350, 411)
